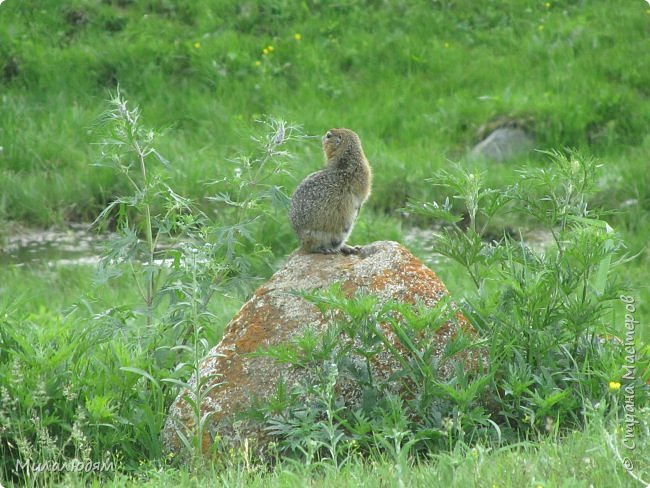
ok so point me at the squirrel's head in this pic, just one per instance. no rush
(338, 141)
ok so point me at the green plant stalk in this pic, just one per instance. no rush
(197, 356)
(149, 236)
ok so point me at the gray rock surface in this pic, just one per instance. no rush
(503, 144)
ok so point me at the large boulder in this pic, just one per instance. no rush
(275, 314)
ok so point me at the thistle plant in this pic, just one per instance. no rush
(200, 257)
(544, 311)
(150, 211)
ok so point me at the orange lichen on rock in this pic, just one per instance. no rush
(276, 313)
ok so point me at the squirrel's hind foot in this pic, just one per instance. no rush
(349, 250)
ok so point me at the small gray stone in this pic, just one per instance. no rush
(503, 144)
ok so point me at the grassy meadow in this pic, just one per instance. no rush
(88, 354)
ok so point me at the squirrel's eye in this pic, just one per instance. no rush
(328, 135)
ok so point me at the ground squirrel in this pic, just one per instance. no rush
(327, 202)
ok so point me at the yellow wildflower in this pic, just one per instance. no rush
(614, 385)
(446, 45)
(297, 36)
(258, 63)
(547, 5)
(265, 51)
(197, 45)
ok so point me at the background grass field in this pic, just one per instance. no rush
(420, 81)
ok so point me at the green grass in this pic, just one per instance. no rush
(419, 81)
(582, 459)
(416, 83)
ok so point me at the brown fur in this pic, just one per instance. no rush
(325, 205)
